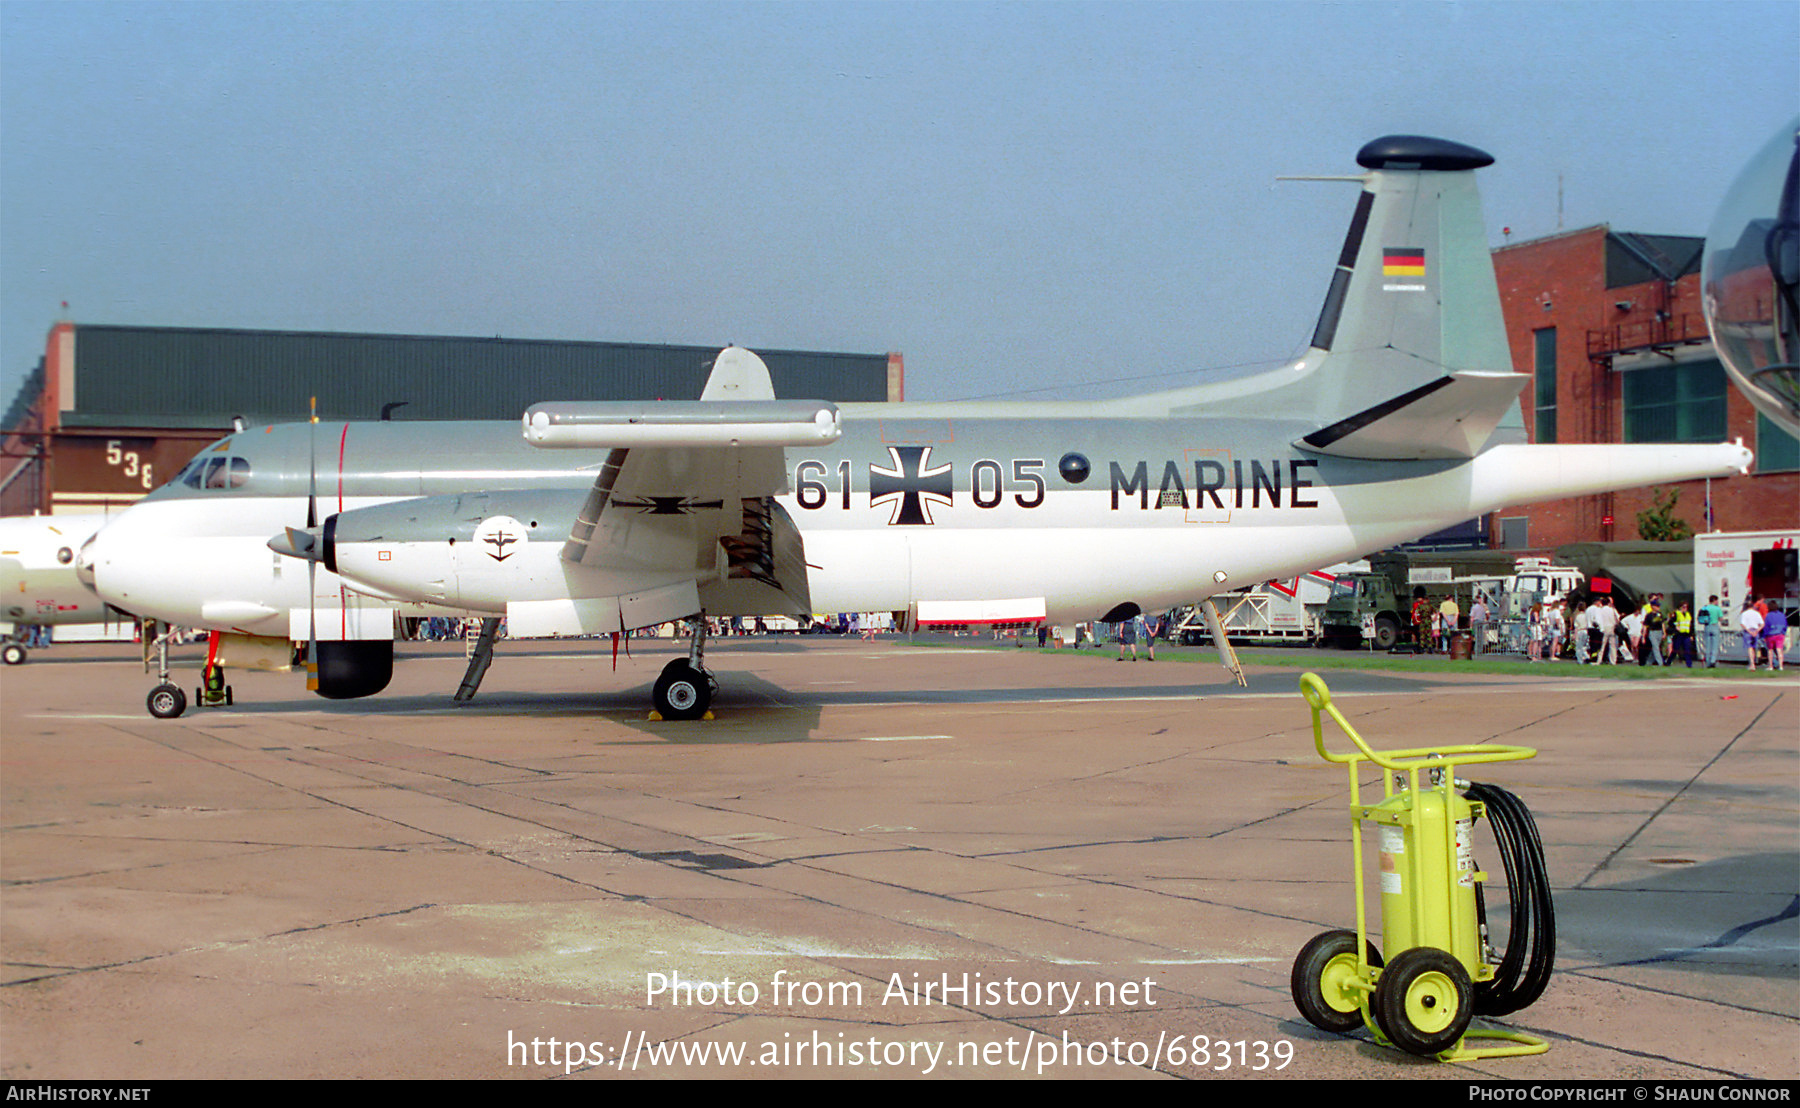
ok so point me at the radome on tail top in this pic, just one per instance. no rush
(601, 517)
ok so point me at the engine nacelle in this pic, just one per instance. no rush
(444, 549)
(352, 669)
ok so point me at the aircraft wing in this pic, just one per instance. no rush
(1450, 417)
(678, 476)
(689, 488)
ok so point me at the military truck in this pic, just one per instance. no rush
(1384, 594)
(1379, 595)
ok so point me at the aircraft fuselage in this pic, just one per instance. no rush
(911, 504)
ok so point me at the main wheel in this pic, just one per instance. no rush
(682, 692)
(166, 701)
(1322, 981)
(1424, 1000)
(12, 653)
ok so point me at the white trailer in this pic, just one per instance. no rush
(1734, 564)
(1274, 610)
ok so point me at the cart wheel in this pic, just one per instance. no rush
(166, 701)
(1423, 1001)
(1322, 981)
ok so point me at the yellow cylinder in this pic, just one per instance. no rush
(1427, 874)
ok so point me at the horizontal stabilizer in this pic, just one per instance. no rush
(1450, 417)
(696, 424)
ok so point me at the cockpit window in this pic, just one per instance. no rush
(216, 473)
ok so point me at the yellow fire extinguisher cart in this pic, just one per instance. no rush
(1424, 998)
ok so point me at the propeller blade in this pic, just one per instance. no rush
(312, 563)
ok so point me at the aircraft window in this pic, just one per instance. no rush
(225, 473)
(191, 475)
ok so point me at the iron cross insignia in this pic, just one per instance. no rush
(667, 505)
(909, 486)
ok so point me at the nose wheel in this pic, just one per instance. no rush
(166, 701)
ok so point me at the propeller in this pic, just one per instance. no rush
(312, 558)
(312, 544)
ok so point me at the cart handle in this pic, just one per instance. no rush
(1319, 698)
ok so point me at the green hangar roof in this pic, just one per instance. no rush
(202, 377)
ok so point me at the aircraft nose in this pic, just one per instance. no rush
(84, 562)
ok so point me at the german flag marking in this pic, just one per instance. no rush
(1402, 261)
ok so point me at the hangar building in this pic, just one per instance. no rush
(112, 412)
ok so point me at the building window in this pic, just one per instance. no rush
(1675, 403)
(1776, 450)
(1544, 369)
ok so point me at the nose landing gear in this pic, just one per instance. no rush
(167, 700)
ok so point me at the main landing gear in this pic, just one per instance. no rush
(685, 689)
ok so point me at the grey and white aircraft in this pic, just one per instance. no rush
(38, 579)
(594, 518)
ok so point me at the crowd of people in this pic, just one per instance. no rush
(1600, 632)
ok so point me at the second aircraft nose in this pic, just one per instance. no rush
(84, 562)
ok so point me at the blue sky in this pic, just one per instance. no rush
(1031, 199)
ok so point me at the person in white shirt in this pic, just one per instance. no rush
(1633, 626)
(1478, 620)
(1606, 619)
(1750, 622)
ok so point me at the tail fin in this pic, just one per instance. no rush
(1409, 358)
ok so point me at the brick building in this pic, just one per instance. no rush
(1609, 324)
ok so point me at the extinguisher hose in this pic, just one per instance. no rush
(1524, 970)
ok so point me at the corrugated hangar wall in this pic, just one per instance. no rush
(192, 377)
(112, 411)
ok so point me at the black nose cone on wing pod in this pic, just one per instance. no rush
(1420, 152)
(352, 669)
